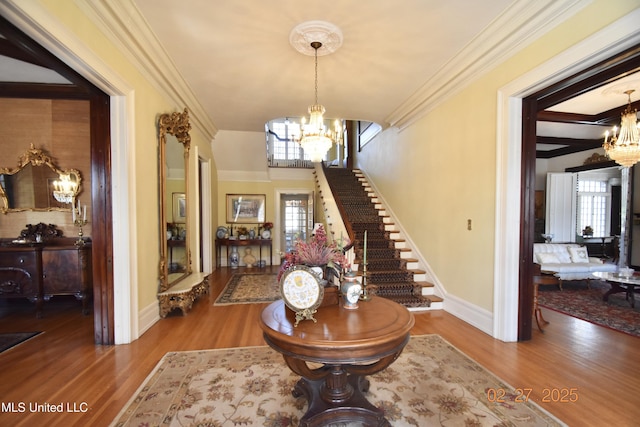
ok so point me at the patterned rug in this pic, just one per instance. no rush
(8, 341)
(249, 288)
(431, 384)
(578, 301)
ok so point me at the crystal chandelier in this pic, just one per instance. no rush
(624, 148)
(65, 189)
(315, 138)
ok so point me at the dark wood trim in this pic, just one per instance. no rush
(42, 57)
(102, 226)
(9, 49)
(568, 146)
(41, 91)
(593, 166)
(353, 142)
(605, 118)
(527, 218)
(607, 71)
(614, 68)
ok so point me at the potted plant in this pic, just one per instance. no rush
(317, 252)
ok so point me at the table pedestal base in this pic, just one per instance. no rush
(345, 405)
(336, 354)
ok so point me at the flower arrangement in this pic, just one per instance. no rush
(267, 225)
(316, 252)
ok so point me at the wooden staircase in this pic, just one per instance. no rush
(391, 271)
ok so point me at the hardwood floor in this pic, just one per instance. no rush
(62, 365)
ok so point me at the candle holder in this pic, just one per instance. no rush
(365, 294)
(80, 223)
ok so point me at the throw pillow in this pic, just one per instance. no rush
(564, 256)
(579, 255)
(548, 258)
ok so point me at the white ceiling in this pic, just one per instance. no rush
(236, 55)
(237, 58)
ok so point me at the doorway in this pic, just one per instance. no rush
(101, 172)
(611, 69)
(296, 219)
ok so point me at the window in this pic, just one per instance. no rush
(282, 148)
(594, 201)
(366, 132)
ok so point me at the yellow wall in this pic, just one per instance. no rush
(445, 165)
(268, 188)
(148, 104)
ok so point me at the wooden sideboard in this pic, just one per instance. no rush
(39, 271)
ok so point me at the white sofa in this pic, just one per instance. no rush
(568, 261)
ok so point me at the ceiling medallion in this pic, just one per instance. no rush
(302, 35)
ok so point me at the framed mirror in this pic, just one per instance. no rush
(37, 184)
(174, 144)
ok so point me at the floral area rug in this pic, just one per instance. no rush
(249, 288)
(431, 384)
(578, 301)
(10, 340)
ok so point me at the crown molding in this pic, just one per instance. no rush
(123, 24)
(523, 22)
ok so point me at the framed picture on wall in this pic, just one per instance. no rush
(246, 208)
(179, 208)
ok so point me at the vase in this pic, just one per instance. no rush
(351, 289)
(234, 258)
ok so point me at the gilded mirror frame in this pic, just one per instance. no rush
(176, 124)
(37, 157)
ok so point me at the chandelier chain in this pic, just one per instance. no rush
(316, 72)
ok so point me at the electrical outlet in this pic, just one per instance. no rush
(469, 224)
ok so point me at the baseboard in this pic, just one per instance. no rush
(472, 314)
(147, 317)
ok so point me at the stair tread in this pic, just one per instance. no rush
(425, 284)
(363, 211)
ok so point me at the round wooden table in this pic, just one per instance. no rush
(348, 345)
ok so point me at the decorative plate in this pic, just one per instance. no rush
(222, 231)
(302, 291)
(266, 234)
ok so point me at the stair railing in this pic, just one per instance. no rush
(331, 216)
